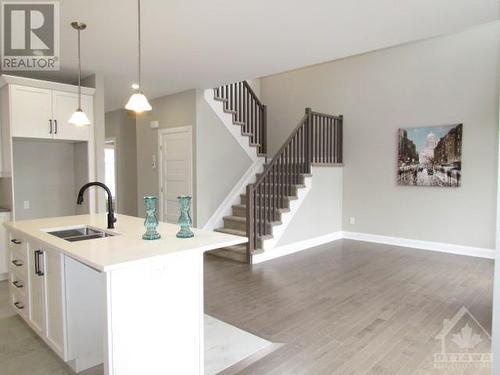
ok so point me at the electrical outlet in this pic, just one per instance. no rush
(26, 205)
(352, 220)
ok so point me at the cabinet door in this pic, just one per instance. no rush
(55, 319)
(36, 289)
(4, 245)
(31, 112)
(64, 104)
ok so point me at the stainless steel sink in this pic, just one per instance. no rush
(82, 233)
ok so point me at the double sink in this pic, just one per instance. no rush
(82, 233)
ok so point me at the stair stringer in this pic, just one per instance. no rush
(227, 120)
(286, 217)
(225, 208)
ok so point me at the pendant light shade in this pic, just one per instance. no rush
(138, 101)
(79, 118)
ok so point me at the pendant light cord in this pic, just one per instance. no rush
(79, 74)
(139, 44)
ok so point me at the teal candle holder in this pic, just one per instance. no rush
(185, 221)
(151, 221)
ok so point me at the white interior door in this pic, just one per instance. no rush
(175, 170)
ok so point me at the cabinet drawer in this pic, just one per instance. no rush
(18, 257)
(18, 281)
(16, 240)
(17, 261)
(19, 302)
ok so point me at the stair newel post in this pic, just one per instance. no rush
(250, 221)
(341, 139)
(309, 127)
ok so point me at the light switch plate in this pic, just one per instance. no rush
(26, 205)
(352, 220)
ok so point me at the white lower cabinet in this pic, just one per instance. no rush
(61, 299)
(47, 296)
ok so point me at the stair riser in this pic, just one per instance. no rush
(228, 254)
(230, 224)
(286, 202)
(292, 190)
(242, 212)
(301, 179)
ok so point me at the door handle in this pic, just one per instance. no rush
(38, 269)
(55, 126)
(17, 242)
(17, 263)
(50, 126)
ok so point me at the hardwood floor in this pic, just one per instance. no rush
(351, 307)
(344, 308)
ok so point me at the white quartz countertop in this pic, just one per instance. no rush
(106, 254)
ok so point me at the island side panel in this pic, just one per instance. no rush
(155, 317)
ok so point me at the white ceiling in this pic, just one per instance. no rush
(202, 43)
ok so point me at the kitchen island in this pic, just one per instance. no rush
(96, 295)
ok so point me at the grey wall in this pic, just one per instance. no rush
(221, 161)
(171, 111)
(321, 211)
(45, 173)
(97, 81)
(444, 80)
(121, 125)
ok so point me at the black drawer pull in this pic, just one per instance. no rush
(17, 263)
(19, 305)
(18, 284)
(17, 242)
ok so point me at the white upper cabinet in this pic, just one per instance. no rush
(63, 106)
(43, 110)
(31, 112)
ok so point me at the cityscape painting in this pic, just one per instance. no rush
(430, 156)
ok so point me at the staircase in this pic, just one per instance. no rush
(317, 139)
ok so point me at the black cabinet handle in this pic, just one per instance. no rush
(17, 263)
(19, 305)
(18, 284)
(55, 124)
(50, 126)
(38, 269)
(16, 241)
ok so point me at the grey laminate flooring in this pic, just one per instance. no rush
(351, 307)
(344, 308)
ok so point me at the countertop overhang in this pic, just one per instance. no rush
(127, 246)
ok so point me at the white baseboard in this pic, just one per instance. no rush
(366, 237)
(295, 247)
(422, 245)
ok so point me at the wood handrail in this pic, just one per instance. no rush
(280, 151)
(248, 111)
(250, 90)
(317, 139)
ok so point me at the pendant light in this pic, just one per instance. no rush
(79, 118)
(138, 101)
